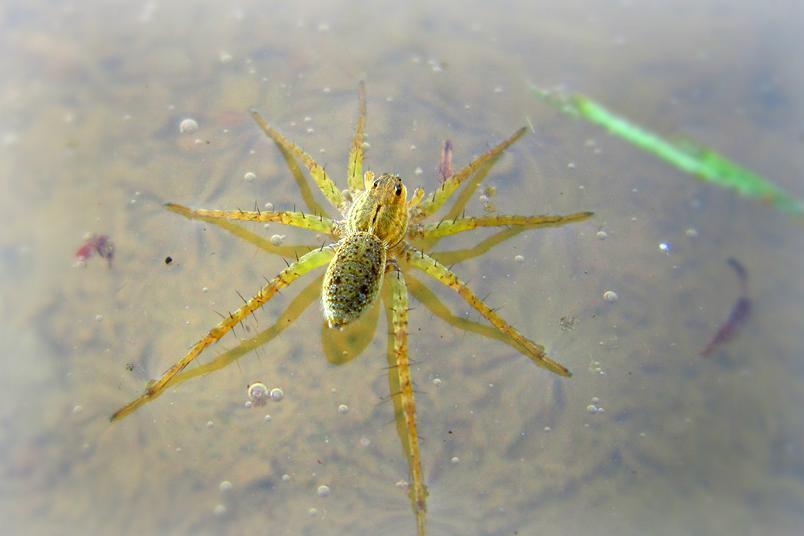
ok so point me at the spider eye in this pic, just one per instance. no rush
(376, 183)
(398, 189)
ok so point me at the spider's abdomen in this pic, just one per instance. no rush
(353, 278)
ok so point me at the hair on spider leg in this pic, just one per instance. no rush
(392, 367)
(246, 302)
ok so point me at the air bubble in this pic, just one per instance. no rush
(188, 126)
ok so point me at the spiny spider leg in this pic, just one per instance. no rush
(287, 251)
(438, 271)
(451, 227)
(308, 262)
(435, 200)
(289, 315)
(325, 184)
(355, 169)
(427, 297)
(406, 401)
(303, 184)
(295, 308)
(296, 219)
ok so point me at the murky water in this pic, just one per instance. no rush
(91, 99)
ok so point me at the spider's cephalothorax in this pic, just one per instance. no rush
(379, 230)
(376, 221)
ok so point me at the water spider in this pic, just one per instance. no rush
(380, 240)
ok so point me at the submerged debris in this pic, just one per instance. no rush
(690, 157)
(100, 244)
(445, 164)
(739, 313)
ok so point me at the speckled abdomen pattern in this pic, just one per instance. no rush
(353, 278)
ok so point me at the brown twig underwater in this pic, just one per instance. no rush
(445, 164)
(739, 313)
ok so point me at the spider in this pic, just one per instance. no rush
(380, 239)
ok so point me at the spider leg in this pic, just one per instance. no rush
(451, 227)
(296, 307)
(308, 262)
(438, 271)
(435, 200)
(318, 173)
(296, 219)
(303, 184)
(427, 297)
(404, 401)
(355, 170)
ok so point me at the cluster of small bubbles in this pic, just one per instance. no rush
(610, 296)
(454, 459)
(437, 382)
(519, 258)
(343, 409)
(225, 486)
(602, 235)
(276, 240)
(188, 126)
(595, 366)
(593, 409)
(285, 477)
(418, 170)
(257, 393)
(219, 510)
(249, 176)
(323, 491)
(277, 394)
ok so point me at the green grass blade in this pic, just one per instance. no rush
(690, 157)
